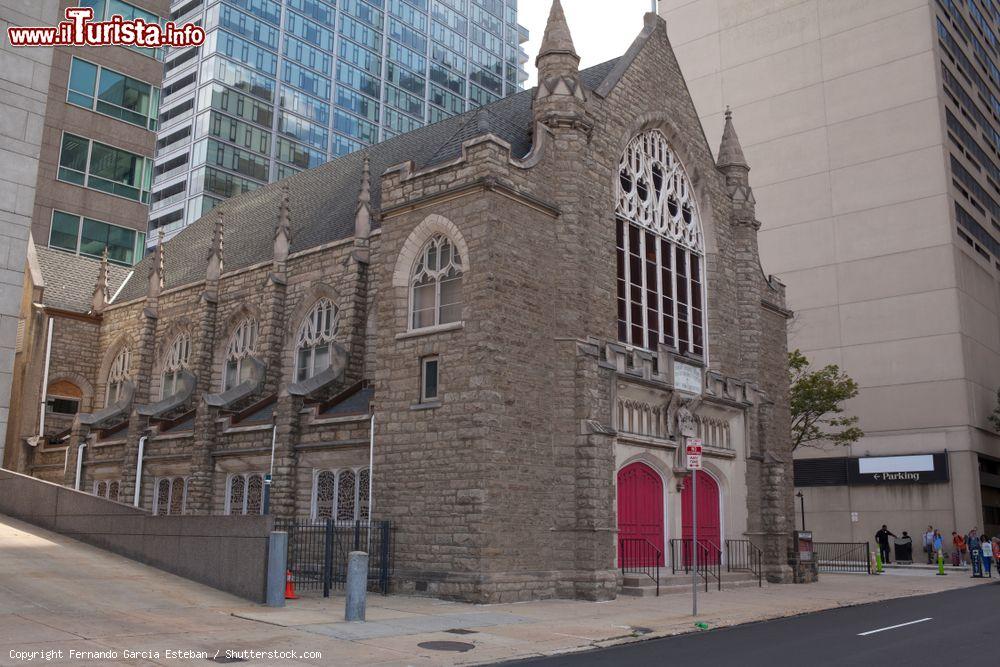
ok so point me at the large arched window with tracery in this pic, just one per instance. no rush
(660, 250)
(177, 360)
(242, 345)
(118, 375)
(314, 345)
(436, 284)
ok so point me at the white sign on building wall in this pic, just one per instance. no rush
(687, 378)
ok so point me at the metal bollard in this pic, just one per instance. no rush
(357, 586)
(277, 554)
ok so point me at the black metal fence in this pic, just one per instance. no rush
(318, 550)
(843, 557)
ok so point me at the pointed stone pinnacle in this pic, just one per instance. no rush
(557, 37)
(730, 150)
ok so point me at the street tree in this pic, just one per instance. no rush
(817, 398)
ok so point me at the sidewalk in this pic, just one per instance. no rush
(57, 594)
(511, 631)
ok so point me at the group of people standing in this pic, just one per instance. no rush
(969, 548)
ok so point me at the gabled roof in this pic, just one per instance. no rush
(70, 279)
(323, 200)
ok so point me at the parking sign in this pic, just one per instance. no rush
(693, 451)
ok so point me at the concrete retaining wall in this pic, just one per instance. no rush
(224, 552)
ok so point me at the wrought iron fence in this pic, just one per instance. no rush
(745, 556)
(639, 556)
(318, 550)
(709, 559)
(843, 556)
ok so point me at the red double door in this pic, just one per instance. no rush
(640, 514)
(640, 509)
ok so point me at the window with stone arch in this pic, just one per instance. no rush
(242, 345)
(118, 375)
(660, 250)
(341, 494)
(314, 344)
(170, 495)
(436, 284)
(177, 360)
(245, 493)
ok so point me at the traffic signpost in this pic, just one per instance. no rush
(693, 452)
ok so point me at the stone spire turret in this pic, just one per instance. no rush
(734, 165)
(156, 272)
(282, 233)
(213, 270)
(560, 100)
(363, 212)
(100, 298)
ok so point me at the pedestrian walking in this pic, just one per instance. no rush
(996, 553)
(960, 548)
(882, 538)
(987, 548)
(938, 544)
(929, 543)
(975, 554)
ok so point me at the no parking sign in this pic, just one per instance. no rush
(693, 451)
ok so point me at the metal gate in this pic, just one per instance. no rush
(318, 550)
(843, 556)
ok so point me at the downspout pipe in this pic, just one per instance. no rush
(45, 382)
(138, 470)
(79, 464)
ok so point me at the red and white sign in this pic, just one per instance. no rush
(693, 451)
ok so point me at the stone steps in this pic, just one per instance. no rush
(638, 585)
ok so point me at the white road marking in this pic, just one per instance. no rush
(892, 627)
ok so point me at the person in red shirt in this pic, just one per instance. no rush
(960, 547)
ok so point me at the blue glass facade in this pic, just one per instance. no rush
(284, 85)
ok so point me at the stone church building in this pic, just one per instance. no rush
(539, 301)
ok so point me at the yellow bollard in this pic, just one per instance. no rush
(940, 571)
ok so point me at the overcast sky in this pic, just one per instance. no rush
(598, 34)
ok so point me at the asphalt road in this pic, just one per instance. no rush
(963, 623)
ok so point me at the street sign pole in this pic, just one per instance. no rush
(694, 542)
(692, 451)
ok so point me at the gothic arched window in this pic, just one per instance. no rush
(245, 493)
(314, 345)
(118, 375)
(242, 345)
(436, 284)
(171, 495)
(341, 495)
(176, 361)
(660, 250)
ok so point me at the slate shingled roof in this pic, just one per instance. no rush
(322, 200)
(70, 279)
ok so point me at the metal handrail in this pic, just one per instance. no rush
(745, 556)
(634, 555)
(708, 567)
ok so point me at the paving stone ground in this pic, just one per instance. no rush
(57, 594)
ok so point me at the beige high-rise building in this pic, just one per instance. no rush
(873, 132)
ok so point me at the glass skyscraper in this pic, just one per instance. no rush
(284, 85)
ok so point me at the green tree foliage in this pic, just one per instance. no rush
(995, 417)
(816, 402)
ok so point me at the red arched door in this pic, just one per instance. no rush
(640, 507)
(709, 522)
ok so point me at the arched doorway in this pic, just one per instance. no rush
(709, 512)
(640, 507)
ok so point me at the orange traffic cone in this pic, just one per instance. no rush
(290, 586)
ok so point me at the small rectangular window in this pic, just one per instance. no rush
(428, 379)
(62, 406)
(65, 231)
